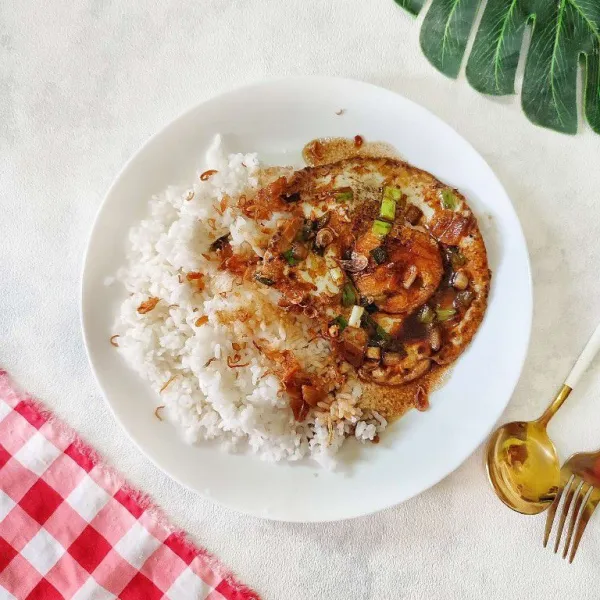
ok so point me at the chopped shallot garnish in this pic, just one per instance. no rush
(167, 384)
(201, 321)
(232, 363)
(197, 279)
(224, 203)
(147, 305)
(156, 412)
(325, 237)
(421, 400)
(409, 276)
(356, 264)
(208, 174)
(311, 312)
(317, 149)
(113, 342)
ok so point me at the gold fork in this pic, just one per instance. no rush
(580, 486)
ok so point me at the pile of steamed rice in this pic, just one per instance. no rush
(241, 407)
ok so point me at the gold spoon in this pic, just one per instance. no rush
(522, 463)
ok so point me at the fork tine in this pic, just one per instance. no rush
(575, 514)
(569, 490)
(589, 508)
(552, 513)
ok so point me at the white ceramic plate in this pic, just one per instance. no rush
(276, 119)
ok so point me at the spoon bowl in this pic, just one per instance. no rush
(523, 466)
(522, 462)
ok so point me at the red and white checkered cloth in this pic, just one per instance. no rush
(70, 527)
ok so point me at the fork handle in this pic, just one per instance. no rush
(586, 357)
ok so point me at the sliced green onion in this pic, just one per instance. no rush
(341, 322)
(392, 193)
(388, 209)
(263, 280)
(344, 195)
(381, 228)
(371, 308)
(289, 257)
(379, 255)
(444, 314)
(349, 295)
(381, 333)
(449, 200)
(355, 316)
(426, 314)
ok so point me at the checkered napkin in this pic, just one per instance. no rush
(70, 527)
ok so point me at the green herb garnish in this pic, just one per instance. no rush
(382, 334)
(371, 308)
(426, 314)
(341, 322)
(344, 195)
(444, 314)
(379, 255)
(449, 200)
(289, 257)
(388, 209)
(392, 193)
(379, 333)
(381, 228)
(263, 280)
(349, 294)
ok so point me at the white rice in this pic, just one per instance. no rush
(243, 408)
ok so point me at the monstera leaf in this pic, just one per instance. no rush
(565, 35)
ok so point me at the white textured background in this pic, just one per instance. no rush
(83, 83)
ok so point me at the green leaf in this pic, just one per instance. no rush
(495, 55)
(412, 6)
(445, 33)
(565, 35)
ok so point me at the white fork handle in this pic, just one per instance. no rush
(583, 362)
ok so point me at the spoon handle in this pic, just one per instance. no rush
(583, 362)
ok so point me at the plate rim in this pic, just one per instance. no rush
(309, 80)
